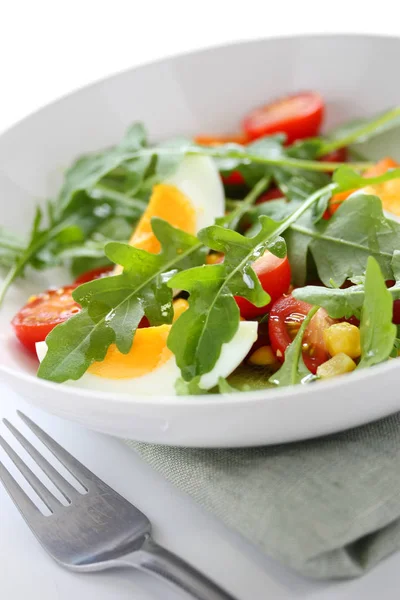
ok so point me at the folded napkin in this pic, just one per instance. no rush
(328, 508)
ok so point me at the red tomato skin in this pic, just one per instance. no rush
(279, 336)
(299, 116)
(93, 274)
(273, 194)
(396, 312)
(274, 275)
(34, 322)
(339, 155)
(234, 178)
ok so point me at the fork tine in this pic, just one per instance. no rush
(66, 489)
(77, 469)
(17, 494)
(47, 497)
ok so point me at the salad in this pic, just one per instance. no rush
(266, 258)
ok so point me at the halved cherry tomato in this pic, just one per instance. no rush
(285, 318)
(42, 313)
(299, 116)
(93, 274)
(274, 275)
(273, 194)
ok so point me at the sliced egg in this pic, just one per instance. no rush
(192, 198)
(150, 368)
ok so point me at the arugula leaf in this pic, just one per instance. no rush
(348, 179)
(233, 218)
(226, 388)
(277, 210)
(88, 170)
(349, 301)
(360, 130)
(293, 369)
(11, 247)
(112, 307)
(246, 378)
(337, 302)
(378, 333)
(212, 318)
(189, 388)
(340, 247)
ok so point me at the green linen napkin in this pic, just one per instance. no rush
(328, 508)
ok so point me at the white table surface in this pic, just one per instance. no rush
(47, 49)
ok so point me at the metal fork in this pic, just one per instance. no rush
(98, 529)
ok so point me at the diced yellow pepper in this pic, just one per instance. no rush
(179, 306)
(337, 365)
(342, 338)
(263, 357)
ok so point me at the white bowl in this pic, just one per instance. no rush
(206, 91)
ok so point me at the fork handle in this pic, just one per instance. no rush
(165, 565)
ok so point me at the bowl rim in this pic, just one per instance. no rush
(204, 399)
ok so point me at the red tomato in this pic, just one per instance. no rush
(396, 304)
(41, 314)
(93, 274)
(339, 155)
(285, 318)
(299, 116)
(234, 178)
(273, 194)
(396, 312)
(274, 275)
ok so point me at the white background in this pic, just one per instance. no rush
(48, 49)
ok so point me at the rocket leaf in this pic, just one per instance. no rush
(112, 307)
(378, 333)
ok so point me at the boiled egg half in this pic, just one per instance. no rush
(150, 368)
(192, 198)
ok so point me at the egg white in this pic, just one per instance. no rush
(198, 179)
(161, 381)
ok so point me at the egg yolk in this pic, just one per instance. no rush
(149, 352)
(170, 204)
(389, 193)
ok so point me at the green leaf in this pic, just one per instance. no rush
(337, 302)
(378, 333)
(361, 130)
(340, 247)
(112, 307)
(348, 179)
(349, 301)
(233, 218)
(293, 369)
(277, 210)
(226, 388)
(188, 388)
(11, 246)
(88, 170)
(212, 318)
(247, 378)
